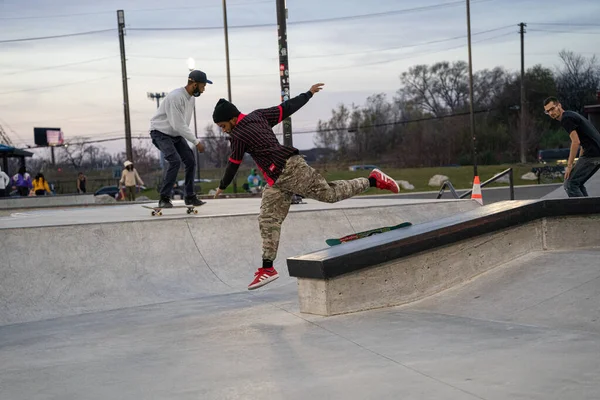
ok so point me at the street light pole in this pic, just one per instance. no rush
(158, 96)
(191, 66)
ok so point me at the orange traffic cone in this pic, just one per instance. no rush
(476, 193)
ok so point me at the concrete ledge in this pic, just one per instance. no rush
(46, 201)
(425, 259)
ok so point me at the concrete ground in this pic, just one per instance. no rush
(528, 330)
(122, 305)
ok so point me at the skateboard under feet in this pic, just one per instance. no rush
(158, 210)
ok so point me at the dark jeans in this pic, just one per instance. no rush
(176, 151)
(583, 170)
(4, 193)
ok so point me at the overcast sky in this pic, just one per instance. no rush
(75, 82)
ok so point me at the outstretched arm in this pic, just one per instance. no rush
(278, 113)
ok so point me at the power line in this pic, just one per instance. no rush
(408, 56)
(37, 89)
(317, 21)
(313, 21)
(555, 31)
(401, 122)
(130, 10)
(12, 131)
(336, 54)
(56, 36)
(24, 71)
(196, 7)
(426, 52)
(560, 24)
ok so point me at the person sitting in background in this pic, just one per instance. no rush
(255, 182)
(131, 180)
(4, 183)
(40, 185)
(22, 182)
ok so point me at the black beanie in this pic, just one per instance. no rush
(224, 111)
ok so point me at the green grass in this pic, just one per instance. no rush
(461, 177)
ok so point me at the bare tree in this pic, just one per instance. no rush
(145, 154)
(438, 90)
(334, 134)
(578, 80)
(75, 151)
(217, 146)
(489, 85)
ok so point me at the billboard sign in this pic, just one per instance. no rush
(48, 137)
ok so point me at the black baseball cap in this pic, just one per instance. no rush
(198, 76)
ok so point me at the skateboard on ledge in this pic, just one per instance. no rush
(364, 234)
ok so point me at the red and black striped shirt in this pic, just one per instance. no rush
(253, 134)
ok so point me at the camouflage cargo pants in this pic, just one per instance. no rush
(298, 178)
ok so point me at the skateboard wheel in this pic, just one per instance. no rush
(160, 213)
(195, 211)
(189, 211)
(153, 213)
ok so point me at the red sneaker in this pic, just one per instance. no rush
(262, 277)
(384, 182)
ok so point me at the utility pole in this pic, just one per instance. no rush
(474, 141)
(227, 50)
(284, 72)
(523, 97)
(228, 71)
(121, 23)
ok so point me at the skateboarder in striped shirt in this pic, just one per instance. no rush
(284, 169)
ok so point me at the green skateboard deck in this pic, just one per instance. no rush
(371, 232)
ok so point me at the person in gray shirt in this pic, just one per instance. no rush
(169, 130)
(583, 134)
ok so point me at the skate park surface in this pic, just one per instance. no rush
(110, 302)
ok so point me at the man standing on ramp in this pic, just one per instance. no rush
(583, 134)
(169, 130)
(285, 171)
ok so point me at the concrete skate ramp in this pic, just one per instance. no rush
(592, 185)
(52, 271)
(555, 289)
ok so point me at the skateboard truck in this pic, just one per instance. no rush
(158, 210)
